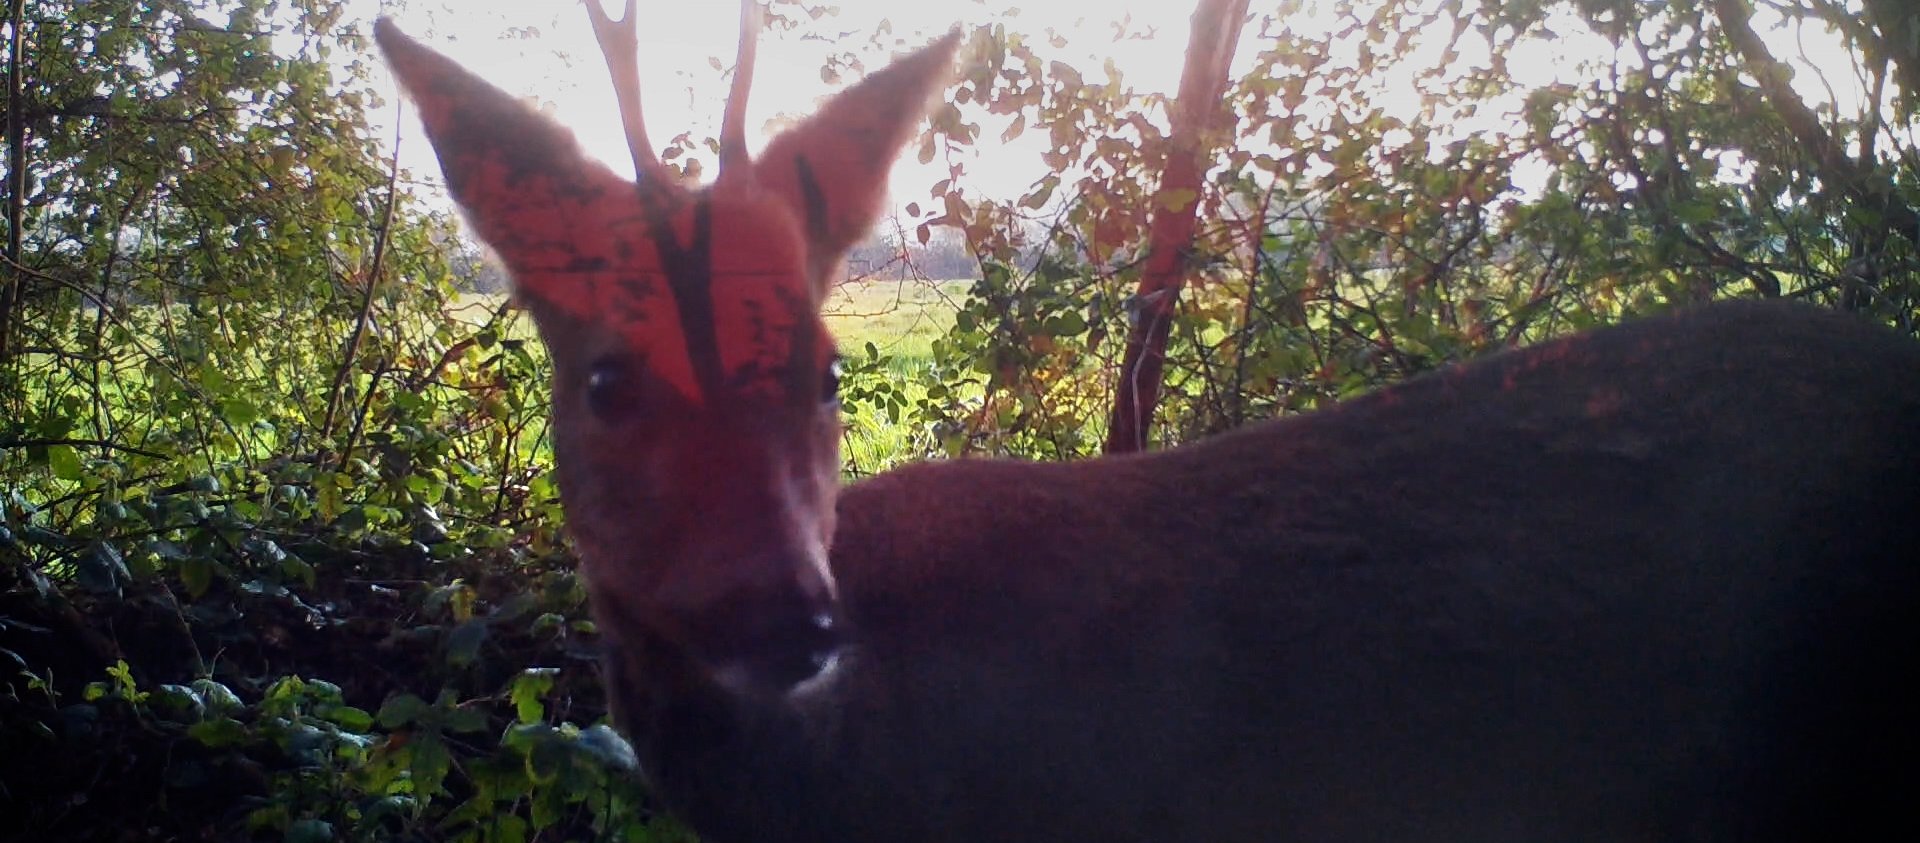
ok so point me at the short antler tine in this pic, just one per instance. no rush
(733, 127)
(620, 47)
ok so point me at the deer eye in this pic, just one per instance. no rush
(610, 390)
(830, 382)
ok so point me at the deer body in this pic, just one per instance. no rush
(1654, 583)
(1651, 583)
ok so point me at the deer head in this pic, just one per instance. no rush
(696, 423)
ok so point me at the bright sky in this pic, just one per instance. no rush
(545, 49)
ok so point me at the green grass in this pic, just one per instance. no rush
(901, 318)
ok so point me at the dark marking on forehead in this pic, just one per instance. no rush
(805, 357)
(743, 322)
(689, 270)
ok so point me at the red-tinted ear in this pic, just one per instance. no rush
(833, 168)
(531, 193)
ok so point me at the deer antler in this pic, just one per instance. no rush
(620, 46)
(733, 127)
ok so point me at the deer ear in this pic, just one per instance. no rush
(832, 169)
(521, 177)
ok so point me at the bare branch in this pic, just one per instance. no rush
(10, 443)
(1853, 180)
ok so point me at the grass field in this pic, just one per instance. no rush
(901, 319)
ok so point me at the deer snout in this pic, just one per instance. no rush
(766, 638)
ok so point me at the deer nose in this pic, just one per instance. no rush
(770, 639)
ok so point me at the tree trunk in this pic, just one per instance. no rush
(12, 279)
(1196, 115)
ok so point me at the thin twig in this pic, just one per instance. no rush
(373, 283)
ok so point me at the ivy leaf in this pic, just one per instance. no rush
(527, 689)
(309, 831)
(219, 698)
(218, 733)
(197, 573)
(602, 742)
(239, 411)
(430, 764)
(463, 644)
(548, 759)
(350, 718)
(102, 570)
(402, 710)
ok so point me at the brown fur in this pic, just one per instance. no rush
(1468, 608)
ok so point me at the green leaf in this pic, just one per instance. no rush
(548, 759)
(102, 570)
(1695, 211)
(602, 742)
(465, 720)
(309, 831)
(322, 689)
(239, 411)
(402, 710)
(266, 550)
(219, 698)
(463, 644)
(547, 623)
(326, 489)
(516, 606)
(1066, 324)
(218, 733)
(429, 764)
(350, 718)
(197, 573)
(1176, 200)
(353, 521)
(509, 828)
(181, 700)
(527, 690)
(64, 461)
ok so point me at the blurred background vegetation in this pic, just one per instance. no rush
(280, 554)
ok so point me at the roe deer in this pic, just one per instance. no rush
(1651, 583)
